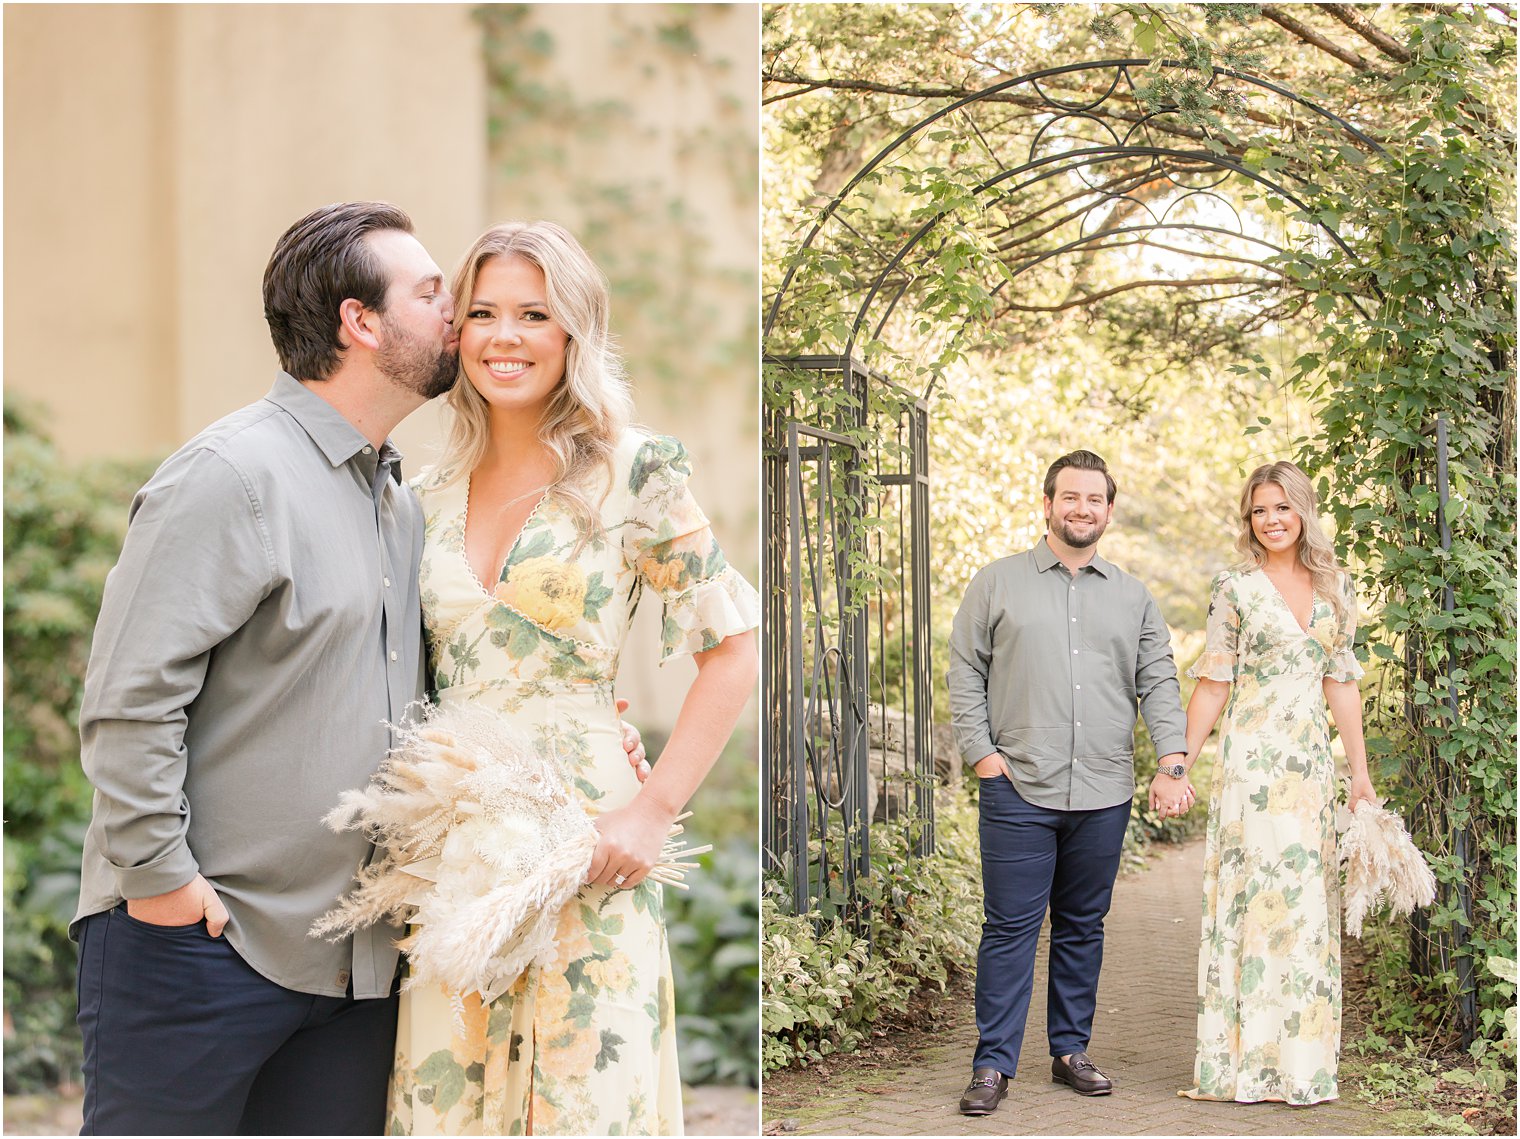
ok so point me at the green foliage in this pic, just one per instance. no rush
(823, 983)
(63, 530)
(714, 930)
(1431, 227)
(1190, 383)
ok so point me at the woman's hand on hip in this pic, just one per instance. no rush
(633, 744)
(628, 843)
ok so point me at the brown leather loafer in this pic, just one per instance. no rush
(986, 1090)
(1080, 1074)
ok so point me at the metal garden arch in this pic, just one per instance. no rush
(834, 738)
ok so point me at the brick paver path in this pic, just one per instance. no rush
(1142, 1038)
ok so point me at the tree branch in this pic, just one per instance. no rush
(1309, 36)
(1018, 99)
(1353, 18)
(1093, 298)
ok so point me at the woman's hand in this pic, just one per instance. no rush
(1171, 797)
(628, 843)
(1361, 791)
(633, 744)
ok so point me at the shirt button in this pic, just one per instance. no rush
(1079, 723)
(368, 450)
(1073, 652)
(1079, 688)
(393, 654)
(343, 976)
(387, 582)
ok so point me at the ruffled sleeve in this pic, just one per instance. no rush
(1341, 663)
(668, 541)
(1222, 633)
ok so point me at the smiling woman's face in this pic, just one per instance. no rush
(1275, 523)
(511, 348)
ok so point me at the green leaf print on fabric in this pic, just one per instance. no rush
(608, 1053)
(659, 452)
(582, 1008)
(540, 544)
(1252, 970)
(440, 1081)
(597, 595)
(499, 1022)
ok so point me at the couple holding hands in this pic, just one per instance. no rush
(1052, 744)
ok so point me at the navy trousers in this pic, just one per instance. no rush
(183, 1037)
(1033, 857)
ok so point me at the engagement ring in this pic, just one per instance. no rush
(619, 879)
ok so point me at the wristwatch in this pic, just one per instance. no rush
(1175, 770)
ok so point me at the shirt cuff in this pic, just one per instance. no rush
(1170, 745)
(978, 750)
(169, 871)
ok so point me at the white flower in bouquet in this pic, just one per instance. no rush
(480, 844)
(1382, 865)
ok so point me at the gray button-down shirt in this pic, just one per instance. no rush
(1047, 668)
(260, 629)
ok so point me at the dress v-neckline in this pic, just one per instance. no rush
(1313, 598)
(464, 539)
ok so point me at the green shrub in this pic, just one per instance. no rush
(714, 931)
(63, 531)
(823, 984)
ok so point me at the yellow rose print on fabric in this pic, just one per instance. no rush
(585, 1045)
(545, 590)
(1269, 985)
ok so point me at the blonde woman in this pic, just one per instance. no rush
(1278, 657)
(545, 520)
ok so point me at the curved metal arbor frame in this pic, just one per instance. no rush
(830, 644)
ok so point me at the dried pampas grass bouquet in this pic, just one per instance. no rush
(1382, 866)
(481, 843)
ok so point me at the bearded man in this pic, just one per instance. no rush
(1052, 652)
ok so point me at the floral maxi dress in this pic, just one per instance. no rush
(1269, 967)
(585, 1046)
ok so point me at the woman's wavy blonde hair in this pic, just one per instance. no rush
(590, 408)
(1315, 552)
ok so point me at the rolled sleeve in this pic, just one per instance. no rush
(1156, 683)
(966, 678)
(195, 564)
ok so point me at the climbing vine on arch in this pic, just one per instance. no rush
(1415, 320)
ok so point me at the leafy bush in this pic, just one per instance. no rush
(823, 984)
(63, 530)
(714, 931)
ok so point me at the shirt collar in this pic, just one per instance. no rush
(334, 436)
(1045, 557)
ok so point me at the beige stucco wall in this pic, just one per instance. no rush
(153, 156)
(155, 153)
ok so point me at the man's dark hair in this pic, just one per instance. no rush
(1082, 461)
(318, 263)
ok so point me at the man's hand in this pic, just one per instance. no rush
(1171, 796)
(186, 906)
(633, 745)
(992, 765)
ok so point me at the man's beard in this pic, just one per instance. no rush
(415, 365)
(1077, 541)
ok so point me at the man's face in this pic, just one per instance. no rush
(1080, 510)
(419, 350)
